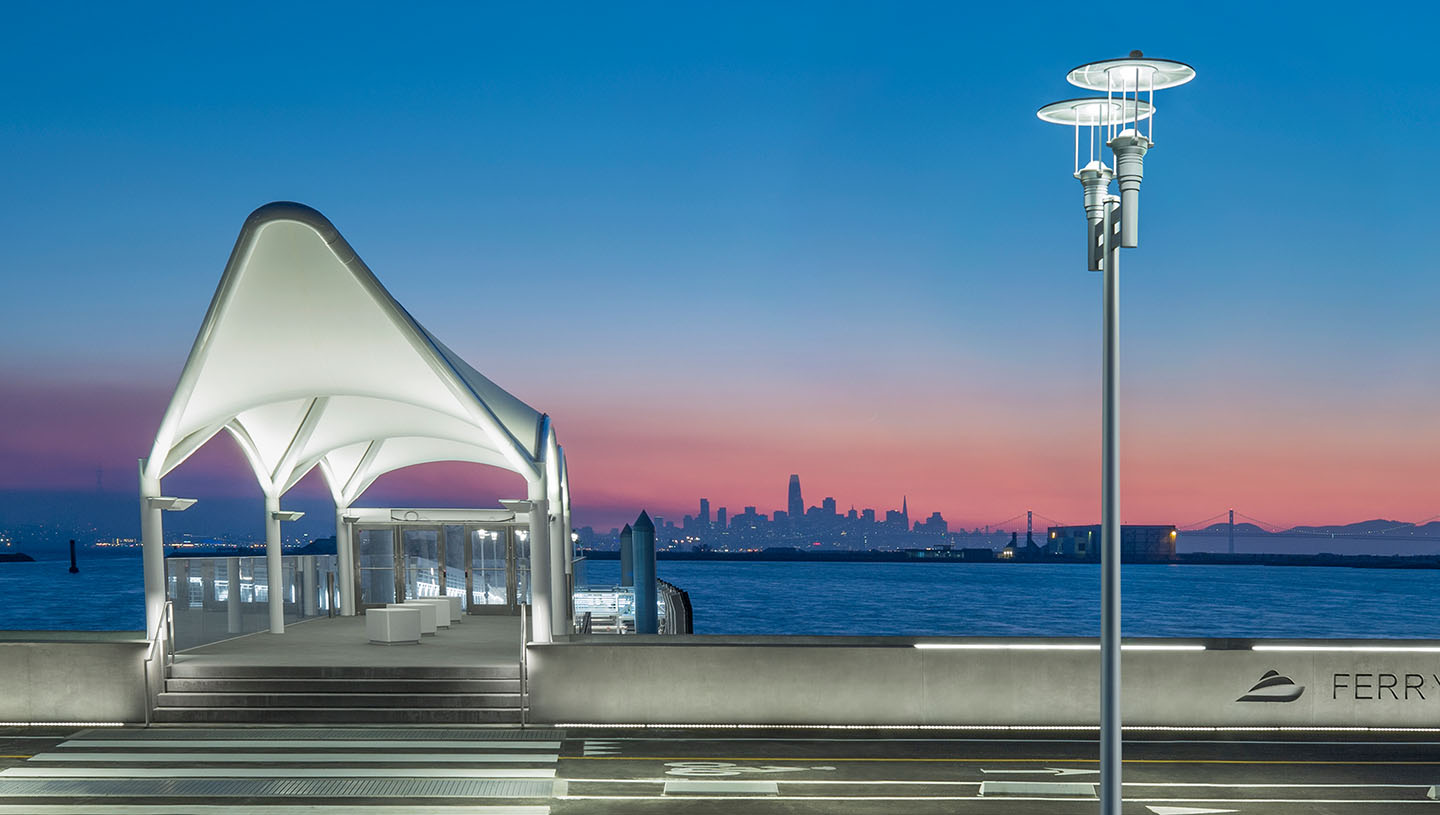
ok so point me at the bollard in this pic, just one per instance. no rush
(627, 557)
(73, 568)
(646, 621)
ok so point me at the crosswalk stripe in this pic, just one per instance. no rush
(275, 772)
(276, 758)
(264, 809)
(272, 744)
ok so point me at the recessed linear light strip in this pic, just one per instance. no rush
(62, 724)
(1009, 727)
(1035, 646)
(1365, 649)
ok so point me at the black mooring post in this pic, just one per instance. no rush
(73, 568)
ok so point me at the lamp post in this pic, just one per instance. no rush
(1112, 223)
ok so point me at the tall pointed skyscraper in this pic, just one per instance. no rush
(797, 503)
(905, 510)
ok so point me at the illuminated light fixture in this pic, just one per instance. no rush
(1358, 649)
(1029, 646)
(287, 515)
(1112, 223)
(169, 504)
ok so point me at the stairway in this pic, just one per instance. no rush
(286, 694)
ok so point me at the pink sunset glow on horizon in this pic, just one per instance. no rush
(978, 466)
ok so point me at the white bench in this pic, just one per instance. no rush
(444, 617)
(393, 626)
(429, 614)
(457, 608)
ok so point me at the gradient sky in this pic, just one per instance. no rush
(823, 238)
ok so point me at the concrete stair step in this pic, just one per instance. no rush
(335, 715)
(304, 685)
(184, 670)
(349, 700)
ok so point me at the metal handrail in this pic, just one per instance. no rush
(167, 624)
(523, 664)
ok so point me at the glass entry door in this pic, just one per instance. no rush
(421, 556)
(376, 579)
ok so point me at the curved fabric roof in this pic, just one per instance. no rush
(306, 360)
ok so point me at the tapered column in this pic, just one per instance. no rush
(627, 556)
(274, 580)
(559, 578)
(309, 585)
(344, 562)
(540, 564)
(646, 616)
(232, 595)
(152, 551)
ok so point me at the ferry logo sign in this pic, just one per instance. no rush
(1273, 687)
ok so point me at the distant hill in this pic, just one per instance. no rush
(1375, 527)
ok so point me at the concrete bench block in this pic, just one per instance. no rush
(457, 608)
(429, 614)
(393, 626)
(444, 617)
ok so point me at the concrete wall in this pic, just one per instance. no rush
(887, 681)
(72, 681)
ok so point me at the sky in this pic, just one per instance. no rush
(829, 239)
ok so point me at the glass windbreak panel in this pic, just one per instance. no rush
(455, 562)
(375, 553)
(487, 567)
(522, 568)
(421, 550)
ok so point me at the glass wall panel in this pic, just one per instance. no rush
(375, 552)
(420, 548)
(487, 567)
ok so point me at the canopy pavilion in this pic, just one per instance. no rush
(307, 362)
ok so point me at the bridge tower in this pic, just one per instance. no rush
(1232, 531)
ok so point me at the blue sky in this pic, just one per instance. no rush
(841, 220)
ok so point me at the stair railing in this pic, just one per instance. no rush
(524, 662)
(166, 624)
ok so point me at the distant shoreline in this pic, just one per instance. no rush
(1185, 559)
(15, 557)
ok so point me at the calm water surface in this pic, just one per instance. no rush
(896, 598)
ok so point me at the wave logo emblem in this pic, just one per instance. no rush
(1273, 687)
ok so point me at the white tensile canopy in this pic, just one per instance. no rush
(307, 361)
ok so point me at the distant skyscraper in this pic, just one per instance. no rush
(905, 510)
(721, 516)
(828, 507)
(797, 504)
(704, 511)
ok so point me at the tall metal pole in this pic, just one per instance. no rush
(1110, 752)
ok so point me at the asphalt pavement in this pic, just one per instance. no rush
(500, 771)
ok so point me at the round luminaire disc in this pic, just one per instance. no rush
(1121, 74)
(1094, 111)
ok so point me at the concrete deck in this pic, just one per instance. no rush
(478, 641)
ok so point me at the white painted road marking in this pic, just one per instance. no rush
(1046, 771)
(727, 768)
(688, 786)
(275, 772)
(1186, 810)
(271, 744)
(277, 758)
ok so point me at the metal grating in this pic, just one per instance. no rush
(284, 733)
(271, 788)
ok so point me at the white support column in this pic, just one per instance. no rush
(540, 564)
(309, 585)
(559, 578)
(232, 599)
(152, 547)
(344, 562)
(274, 582)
